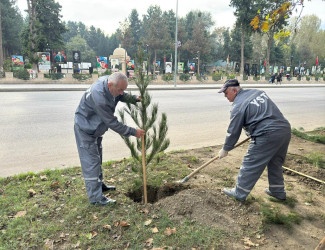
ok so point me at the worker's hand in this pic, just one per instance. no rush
(140, 132)
(138, 98)
(222, 153)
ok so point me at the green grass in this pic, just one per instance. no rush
(57, 211)
(316, 158)
(273, 215)
(290, 201)
(316, 135)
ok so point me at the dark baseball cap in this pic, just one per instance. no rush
(229, 83)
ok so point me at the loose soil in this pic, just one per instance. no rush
(201, 199)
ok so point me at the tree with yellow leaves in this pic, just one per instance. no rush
(271, 18)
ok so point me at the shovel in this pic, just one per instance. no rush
(207, 163)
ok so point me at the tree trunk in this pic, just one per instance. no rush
(154, 65)
(1, 50)
(32, 17)
(198, 64)
(268, 51)
(242, 53)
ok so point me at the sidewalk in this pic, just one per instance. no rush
(26, 87)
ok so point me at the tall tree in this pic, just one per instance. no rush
(1, 50)
(79, 43)
(136, 32)
(244, 11)
(45, 28)
(274, 16)
(11, 25)
(156, 31)
(200, 44)
(309, 40)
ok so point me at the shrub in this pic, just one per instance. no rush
(54, 76)
(184, 77)
(308, 78)
(81, 77)
(299, 77)
(106, 72)
(231, 76)
(245, 78)
(21, 74)
(216, 77)
(167, 77)
(199, 77)
(7, 65)
(318, 77)
(256, 78)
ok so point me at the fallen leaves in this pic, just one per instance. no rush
(147, 223)
(169, 231)
(20, 214)
(121, 224)
(108, 227)
(91, 235)
(31, 192)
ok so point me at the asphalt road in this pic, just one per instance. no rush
(36, 128)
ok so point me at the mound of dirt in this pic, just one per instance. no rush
(203, 201)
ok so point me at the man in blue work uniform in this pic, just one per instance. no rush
(93, 117)
(270, 132)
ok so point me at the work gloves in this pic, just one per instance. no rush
(222, 153)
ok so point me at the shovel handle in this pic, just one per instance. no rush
(210, 161)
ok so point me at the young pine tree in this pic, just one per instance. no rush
(144, 115)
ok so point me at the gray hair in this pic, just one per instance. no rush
(117, 77)
(235, 87)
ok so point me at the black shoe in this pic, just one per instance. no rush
(106, 188)
(279, 196)
(104, 201)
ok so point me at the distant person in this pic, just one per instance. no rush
(270, 133)
(93, 117)
(279, 78)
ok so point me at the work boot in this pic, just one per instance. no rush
(232, 193)
(104, 201)
(106, 188)
(279, 196)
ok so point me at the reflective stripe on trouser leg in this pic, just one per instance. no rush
(259, 153)
(274, 167)
(90, 163)
(100, 150)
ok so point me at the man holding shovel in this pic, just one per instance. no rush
(270, 135)
(93, 117)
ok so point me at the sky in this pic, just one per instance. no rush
(107, 14)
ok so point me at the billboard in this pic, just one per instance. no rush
(17, 61)
(76, 56)
(101, 63)
(169, 66)
(180, 67)
(59, 57)
(115, 64)
(44, 62)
